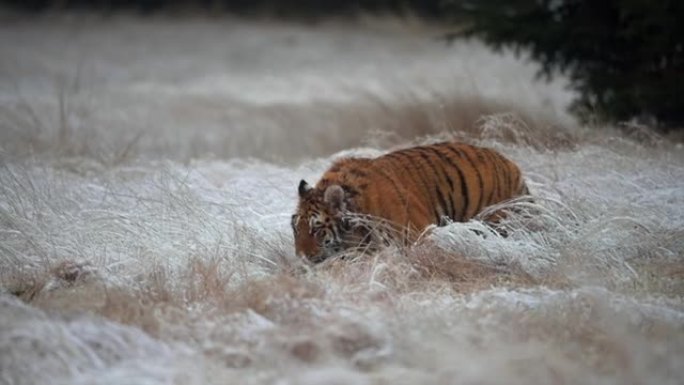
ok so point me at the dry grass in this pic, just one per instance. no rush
(469, 118)
(140, 254)
(466, 275)
(307, 316)
(71, 287)
(321, 129)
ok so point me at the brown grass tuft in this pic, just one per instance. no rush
(463, 274)
(130, 308)
(382, 123)
(419, 268)
(32, 285)
(267, 296)
(206, 281)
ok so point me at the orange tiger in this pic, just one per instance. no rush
(410, 189)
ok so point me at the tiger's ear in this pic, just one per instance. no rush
(334, 197)
(304, 188)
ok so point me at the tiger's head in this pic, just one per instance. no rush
(319, 225)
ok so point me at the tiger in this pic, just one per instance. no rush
(409, 189)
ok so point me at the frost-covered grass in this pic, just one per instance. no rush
(148, 170)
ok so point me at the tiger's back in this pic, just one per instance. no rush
(419, 186)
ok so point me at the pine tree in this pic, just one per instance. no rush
(624, 57)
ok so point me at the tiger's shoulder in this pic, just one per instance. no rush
(346, 171)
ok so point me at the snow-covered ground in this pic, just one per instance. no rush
(149, 168)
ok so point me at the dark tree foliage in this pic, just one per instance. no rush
(624, 57)
(305, 9)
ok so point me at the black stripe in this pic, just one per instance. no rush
(438, 192)
(458, 153)
(495, 177)
(485, 161)
(426, 188)
(402, 157)
(358, 173)
(444, 203)
(450, 206)
(500, 177)
(349, 190)
(479, 179)
(397, 190)
(464, 185)
(506, 175)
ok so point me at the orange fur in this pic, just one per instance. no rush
(411, 189)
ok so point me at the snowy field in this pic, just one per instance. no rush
(148, 171)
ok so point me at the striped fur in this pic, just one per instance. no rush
(408, 189)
